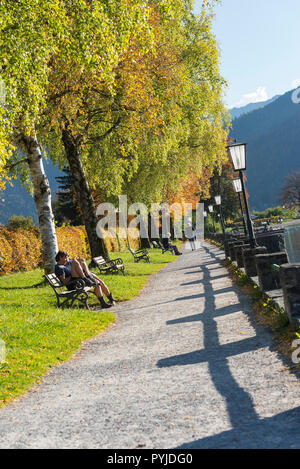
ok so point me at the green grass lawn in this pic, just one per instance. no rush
(37, 335)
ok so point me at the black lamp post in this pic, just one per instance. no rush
(238, 157)
(211, 210)
(237, 184)
(204, 220)
(218, 203)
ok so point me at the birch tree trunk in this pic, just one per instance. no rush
(42, 198)
(84, 195)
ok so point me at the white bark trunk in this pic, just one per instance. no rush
(42, 197)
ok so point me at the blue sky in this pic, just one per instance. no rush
(259, 42)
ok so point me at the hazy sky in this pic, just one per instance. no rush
(259, 41)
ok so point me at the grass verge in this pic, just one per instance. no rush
(37, 335)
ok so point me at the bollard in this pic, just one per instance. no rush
(249, 259)
(232, 248)
(268, 278)
(226, 248)
(290, 284)
(239, 254)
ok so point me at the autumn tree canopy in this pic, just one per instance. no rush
(128, 92)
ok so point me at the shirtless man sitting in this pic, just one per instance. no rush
(71, 269)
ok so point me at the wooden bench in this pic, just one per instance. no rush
(113, 266)
(166, 249)
(140, 254)
(68, 297)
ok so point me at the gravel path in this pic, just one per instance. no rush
(185, 366)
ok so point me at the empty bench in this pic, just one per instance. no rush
(140, 254)
(113, 266)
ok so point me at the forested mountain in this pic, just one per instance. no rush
(273, 151)
(237, 112)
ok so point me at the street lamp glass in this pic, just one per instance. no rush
(205, 214)
(218, 199)
(238, 156)
(237, 184)
(211, 208)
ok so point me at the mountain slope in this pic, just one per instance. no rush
(273, 150)
(237, 112)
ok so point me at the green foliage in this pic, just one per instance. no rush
(256, 294)
(291, 212)
(221, 184)
(270, 212)
(18, 221)
(243, 279)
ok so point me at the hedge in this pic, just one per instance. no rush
(22, 249)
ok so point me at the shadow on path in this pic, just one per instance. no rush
(278, 432)
(241, 411)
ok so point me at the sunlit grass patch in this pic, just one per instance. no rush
(37, 335)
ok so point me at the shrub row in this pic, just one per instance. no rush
(22, 249)
(256, 222)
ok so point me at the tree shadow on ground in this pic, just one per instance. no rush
(248, 429)
(27, 287)
(278, 432)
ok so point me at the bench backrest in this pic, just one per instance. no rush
(292, 243)
(99, 260)
(53, 280)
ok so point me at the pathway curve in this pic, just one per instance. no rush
(184, 367)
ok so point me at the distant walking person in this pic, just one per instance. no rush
(190, 234)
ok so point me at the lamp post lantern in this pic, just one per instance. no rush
(238, 156)
(237, 184)
(218, 203)
(211, 210)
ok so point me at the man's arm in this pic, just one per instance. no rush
(61, 275)
(64, 280)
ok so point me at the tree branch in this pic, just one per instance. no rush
(13, 165)
(108, 132)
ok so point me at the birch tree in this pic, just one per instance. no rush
(30, 32)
